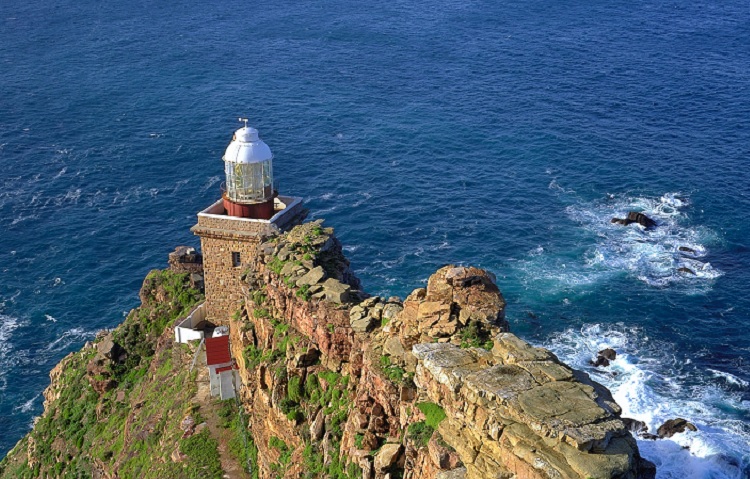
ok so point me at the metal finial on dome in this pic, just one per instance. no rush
(243, 119)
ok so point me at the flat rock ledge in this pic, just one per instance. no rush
(517, 411)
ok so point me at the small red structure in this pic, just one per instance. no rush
(217, 351)
(222, 370)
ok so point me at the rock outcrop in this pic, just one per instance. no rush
(335, 384)
(431, 386)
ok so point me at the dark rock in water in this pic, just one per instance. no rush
(635, 426)
(635, 217)
(675, 426)
(608, 353)
(685, 249)
(600, 361)
(603, 357)
(646, 469)
(686, 271)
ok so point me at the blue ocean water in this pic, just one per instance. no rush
(499, 134)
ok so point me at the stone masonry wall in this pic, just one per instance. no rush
(220, 237)
(223, 286)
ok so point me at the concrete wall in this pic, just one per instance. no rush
(185, 331)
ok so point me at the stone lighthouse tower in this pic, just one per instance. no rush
(249, 211)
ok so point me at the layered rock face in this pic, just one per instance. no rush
(430, 387)
(335, 384)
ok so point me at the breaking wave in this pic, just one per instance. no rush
(673, 252)
(652, 382)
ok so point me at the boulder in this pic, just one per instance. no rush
(288, 269)
(369, 441)
(635, 426)
(387, 457)
(361, 324)
(443, 456)
(457, 473)
(313, 276)
(675, 426)
(336, 291)
(307, 358)
(108, 348)
(185, 259)
(686, 271)
(317, 427)
(685, 249)
(646, 469)
(393, 347)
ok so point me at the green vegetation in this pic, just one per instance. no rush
(295, 389)
(285, 454)
(420, 433)
(261, 313)
(202, 450)
(241, 444)
(434, 414)
(476, 335)
(138, 333)
(276, 264)
(392, 371)
(259, 298)
(303, 292)
(358, 439)
(82, 426)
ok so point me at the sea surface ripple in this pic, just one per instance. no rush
(500, 134)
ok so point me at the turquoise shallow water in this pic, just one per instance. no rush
(497, 134)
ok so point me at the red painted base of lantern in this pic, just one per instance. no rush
(258, 211)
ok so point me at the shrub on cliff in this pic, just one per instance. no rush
(165, 296)
(433, 413)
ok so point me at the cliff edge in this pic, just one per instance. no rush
(334, 383)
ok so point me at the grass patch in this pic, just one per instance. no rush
(202, 451)
(434, 414)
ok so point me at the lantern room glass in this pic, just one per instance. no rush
(249, 182)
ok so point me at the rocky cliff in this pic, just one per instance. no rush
(433, 386)
(335, 383)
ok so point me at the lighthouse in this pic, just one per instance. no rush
(248, 164)
(249, 212)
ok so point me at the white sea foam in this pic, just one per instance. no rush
(21, 218)
(69, 337)
(729, 378)
(653, 383)
(210, 183)
(365, 196)
(8, 324)
(50, 318)
(672, 254)
(28, 405)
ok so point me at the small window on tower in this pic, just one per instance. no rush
(235, 259)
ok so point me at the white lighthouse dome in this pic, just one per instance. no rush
(246, 147)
